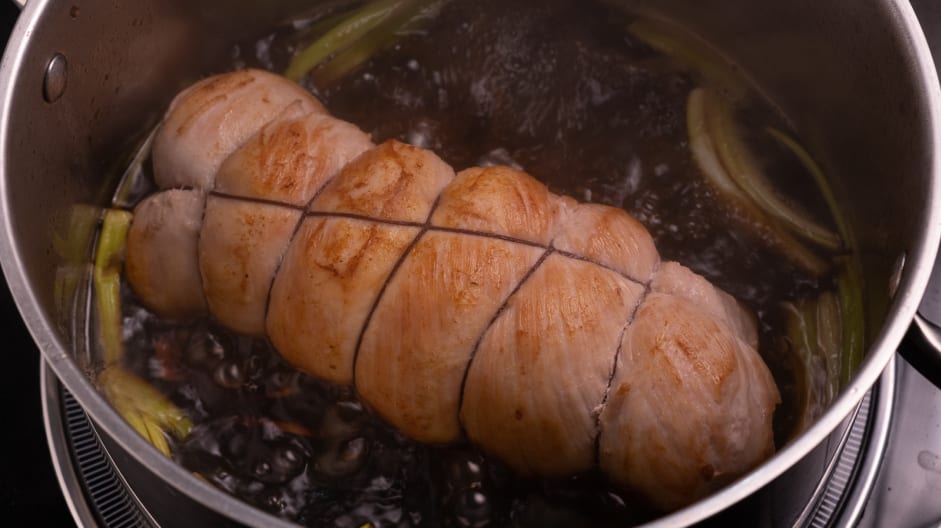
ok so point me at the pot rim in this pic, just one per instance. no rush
(919, 262)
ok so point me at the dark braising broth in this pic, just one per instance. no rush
(561, 90)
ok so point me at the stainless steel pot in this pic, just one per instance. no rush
(84, 80)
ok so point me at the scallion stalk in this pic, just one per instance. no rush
(849, 288)
(380, 38)
(807, 364)
(820, 179)
(344, 34)
(816, 343)
(144, 407)
(849, 279)
(702, 146)
(147, 410)
(829, 341)
(693, 53)
(744, 171)
(107, 281)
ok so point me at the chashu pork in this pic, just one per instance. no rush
(475, 305)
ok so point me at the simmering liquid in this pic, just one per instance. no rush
(559, 89)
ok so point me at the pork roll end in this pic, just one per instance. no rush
(162, 265)
(690, 407)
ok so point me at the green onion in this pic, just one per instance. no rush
(816, 343)
(798, 333)
(382, 37)
(320, 27)
(850, 276)
(693, 53)
(107, 280)
(850, 289)
(744, 170)
(74, 232)
(703, 148)
(145, 408)
(829, 342)
(704, 151)
(829, 330)
(822, 184)
(148, 411)
(348, 31)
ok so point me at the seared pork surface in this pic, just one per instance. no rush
(475, 305)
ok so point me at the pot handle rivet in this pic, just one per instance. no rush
(55, 80)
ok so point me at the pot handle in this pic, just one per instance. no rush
(922, 344)
(922, 349)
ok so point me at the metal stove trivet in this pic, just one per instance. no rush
(98, 495)
(94, 489)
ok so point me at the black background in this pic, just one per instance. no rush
(29, 492)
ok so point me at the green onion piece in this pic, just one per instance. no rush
(691, 52)
(107, 279)
(74, 232)
(817, 173)
(816, 342)
(744, 171)
(703, 149)
(807, 364)
(351, 29)
(348, 60)
(72, 237)
(156, 437)
(850, 290)
(407, 19)
(145, 408)
(148, 411)
(704, 152)
(829, 341)
(66, 284)
(850, 277)
(320, 27)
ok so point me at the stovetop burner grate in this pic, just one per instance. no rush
(844, 468)
(99, 496)
(108, 495)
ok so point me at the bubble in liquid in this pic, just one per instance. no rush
(229, 374)
(472, 509)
